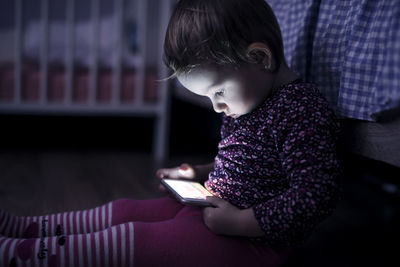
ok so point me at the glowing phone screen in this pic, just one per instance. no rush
(189, 189)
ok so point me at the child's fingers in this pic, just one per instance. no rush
(161, 173)
(165, 173)
(215, 201)
(183, 171)
(162, 188)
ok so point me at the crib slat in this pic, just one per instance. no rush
(95, 13)
(118, 17)
(44, 50)
(18, 53)
(69, 56)
(142, 30)
(161, 147)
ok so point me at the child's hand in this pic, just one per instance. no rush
(223, 219)
(184, 171)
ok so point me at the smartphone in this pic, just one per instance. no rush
(188, 192)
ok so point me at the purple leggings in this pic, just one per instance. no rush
(163, 233)
(170, 234)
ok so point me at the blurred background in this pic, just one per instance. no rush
(85, 119)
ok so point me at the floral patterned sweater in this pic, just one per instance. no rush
(281, 161)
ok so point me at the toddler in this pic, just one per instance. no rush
(275, 177)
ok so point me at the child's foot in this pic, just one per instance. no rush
(20, 251)
(65, 223)
(31, 231)
(17, 226)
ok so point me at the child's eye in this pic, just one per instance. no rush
(220, 92)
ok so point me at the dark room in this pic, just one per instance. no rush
(199, 133)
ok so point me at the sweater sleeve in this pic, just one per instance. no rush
(304, 131)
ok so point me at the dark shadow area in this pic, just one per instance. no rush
(364, 228)
(75, 132)
(194, 131)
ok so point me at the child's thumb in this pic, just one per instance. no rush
(186, 170)
(184, 166)
(215, 201)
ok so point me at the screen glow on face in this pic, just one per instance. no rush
(189, 189)
(234, 92)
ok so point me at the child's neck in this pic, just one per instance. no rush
(284, 76)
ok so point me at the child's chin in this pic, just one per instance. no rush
(235, 116)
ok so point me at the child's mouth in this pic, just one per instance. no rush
(233, 115)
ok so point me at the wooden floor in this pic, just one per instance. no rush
(36, 182)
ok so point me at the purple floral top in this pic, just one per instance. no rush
(281, 160)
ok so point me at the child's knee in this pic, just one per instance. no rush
(122, 202)
(121, 210)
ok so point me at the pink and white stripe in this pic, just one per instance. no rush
(78, 222)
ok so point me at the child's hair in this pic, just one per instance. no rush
(219, 32)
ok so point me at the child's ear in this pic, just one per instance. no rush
(259, 53)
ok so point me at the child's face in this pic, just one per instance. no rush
(233, 91)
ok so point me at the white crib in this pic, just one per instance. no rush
(111, 88)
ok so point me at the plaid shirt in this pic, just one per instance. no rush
(351, 49)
